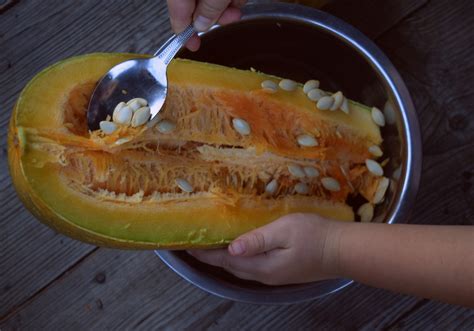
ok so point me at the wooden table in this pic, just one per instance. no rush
(51, 282)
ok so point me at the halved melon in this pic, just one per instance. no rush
(125, 195)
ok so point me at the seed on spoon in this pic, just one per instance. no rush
(137, 103)
(377, 116)
(108, 127)
(119, 106)
(366, 212)
(241, 126)
(271, 187)
(310, 84)
(306, 140)
(330, 184)
(141, 116)
(315, 94)
(269, 86)
(184, 185)
(165, 126)
(325, 103)
(375, 151)
(123, 115)
(296, 171)
(338, 100)
(302, 188)
(311, 172)
(374, 167)
(287, 85)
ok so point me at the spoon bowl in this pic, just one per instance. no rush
(138, 78)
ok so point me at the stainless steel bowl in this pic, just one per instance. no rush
(301, 43)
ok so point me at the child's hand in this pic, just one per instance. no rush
(297, 248)
(204, 13)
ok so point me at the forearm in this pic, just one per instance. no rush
(427, 261)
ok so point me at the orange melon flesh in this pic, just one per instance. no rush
(87, 187)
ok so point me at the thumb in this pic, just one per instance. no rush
(258, 241)
(208, 12)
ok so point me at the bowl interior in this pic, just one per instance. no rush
(299, 50)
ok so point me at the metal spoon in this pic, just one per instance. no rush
(139, 78)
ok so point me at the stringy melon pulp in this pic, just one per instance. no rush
(131, 182)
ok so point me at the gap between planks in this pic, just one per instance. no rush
(64, 274)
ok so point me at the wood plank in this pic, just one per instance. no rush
(115, 289)
(437, 69)
(373, 17)
(139, 292)
(436, 316)
(32, 254)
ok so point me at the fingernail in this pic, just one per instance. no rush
(202, 23)
(237, 248)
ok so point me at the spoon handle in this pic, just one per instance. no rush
(167, 52)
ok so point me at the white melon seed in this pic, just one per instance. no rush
(307, 140)
(330, 184)
(389, 112)
(141, 116)
(315, 94)
(325, 103)
(375, 151)
(311, 172)
(287, 85)
(165, 126)
(269, 86)
(302, 188)
(184, 185)
(382, 187)
(374, 167)
(345, 106)
(377, 116)
(108, 127)
(366, 212)
(271, 187)
(296, 171)
(241, 126)
(338, 100)
(123, 115)
(310, 85)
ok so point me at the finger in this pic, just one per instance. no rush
(181, 13)
(230, 15)
(213, 257)
(238, 3)
(263, 239)
(208, 12)
(194, 43)
(253, 266)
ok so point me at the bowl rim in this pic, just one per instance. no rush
(412, 158)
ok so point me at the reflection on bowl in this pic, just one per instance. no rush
(301, 43)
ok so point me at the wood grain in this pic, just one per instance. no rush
(51, 282)
(373, 17)
(424, 51)
(115, 289)
(33, 35)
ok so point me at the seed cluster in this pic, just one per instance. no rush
(329, 183)
(133, 113)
